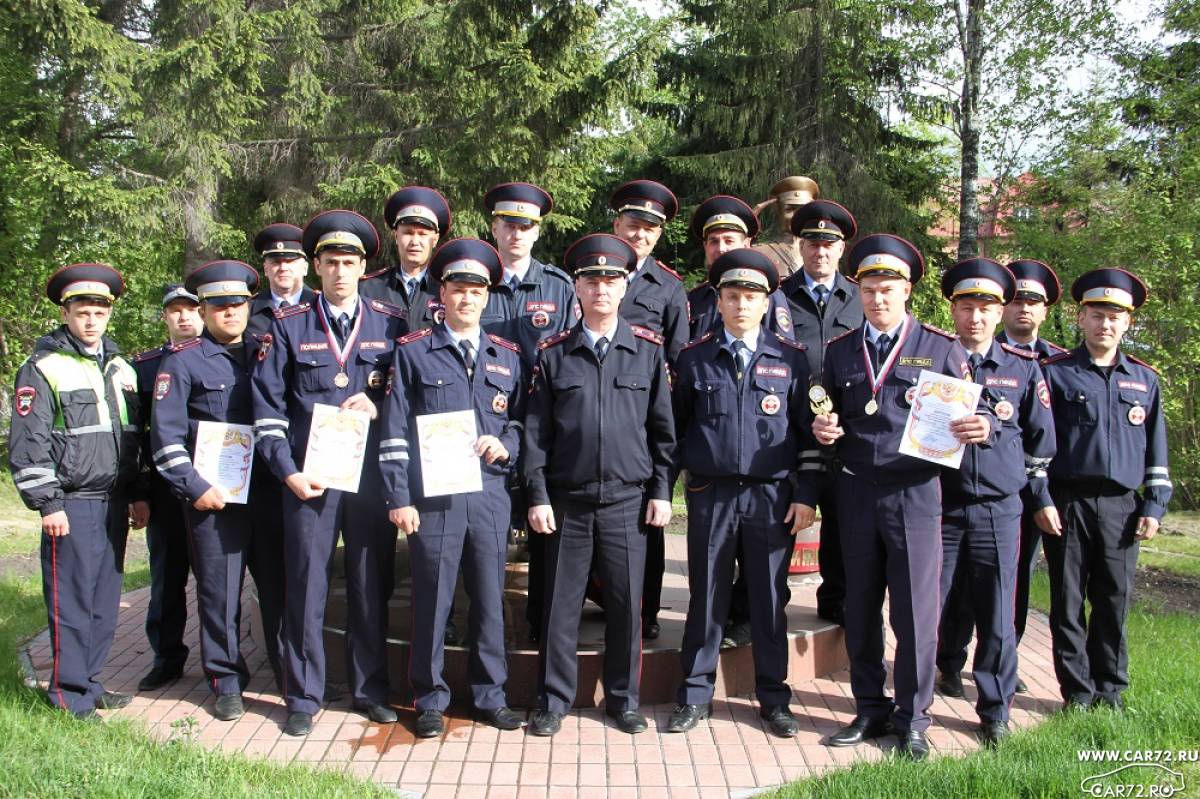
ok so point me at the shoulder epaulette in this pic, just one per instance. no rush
(186, 345)
(939, 331)
(1055, 349)
(293, 310)
(1020, 351)
(503, 342)
(551, 269)
(647, 333)
(389, 309)
(148, 355)
(1058, 356)
(557, 338)
(1140, 362)
(668, 269)
(796, 345)
(841, 336)
(703, 284)
(416, 335)
(376, 273)
(698, 341)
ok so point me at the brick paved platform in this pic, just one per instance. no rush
(730, 755)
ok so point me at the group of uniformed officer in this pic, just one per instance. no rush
(589, 400)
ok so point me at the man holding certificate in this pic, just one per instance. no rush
(599, 437)
(203, 446)
(321, 373)
(981, 501)
(451, 435)
(889, 504)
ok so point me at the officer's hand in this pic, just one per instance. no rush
(1047, 519)
(406, 518)
(973, 429)
(56, 524)
(304, 486)
(361, 402)
(658, 513)
(826, 428)
(212, 499)
(490, 449)
(800, 516)
(541, 519)
(139, 514)
(1147, 528)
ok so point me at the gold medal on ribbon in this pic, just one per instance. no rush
(341, 380)
(871, 407)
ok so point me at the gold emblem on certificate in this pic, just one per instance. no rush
(341, 380)
(819, 400)
(871, 408)
(1137, 415)
(1004, 410)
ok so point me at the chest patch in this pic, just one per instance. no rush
(1133, 385)
(497, 368)
(924, 363)
(771, 371)
(541, 305)
(1002, 382)
(314, 346)
(372, 345)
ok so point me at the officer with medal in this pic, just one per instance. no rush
(824, 305)
(788, 196)
(453, 367)
(166, 535)
(335, 351)
(533, 302)
(723, 223)
(981, 502)
(73, 454)
(207, 379)
(599, 445)
(656, 300)
(745, 433)
(419, 218)
(285, 266)
(889, 505)
(1110, 485)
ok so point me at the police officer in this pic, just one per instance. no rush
(788, 196)
(418, 217)
(599, 439)
(889, 504)
(533, 302)
(166, 534)
(207, 379)
(73, 453)
(981, 503)
(824, 305)
(335, 351)
(285, 266)
(745, 433)
(656, 300)
(453, 367)
(1112, 440)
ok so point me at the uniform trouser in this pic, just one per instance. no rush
(166, 540)
(614, 529)
(265, 562)
(656, 564)
(831, 593)
(1093, 560)
(979, 576)
(470, 530)
(81, 582)
(309, 543)
(891, 539)
(1031, 541)
(723, 516)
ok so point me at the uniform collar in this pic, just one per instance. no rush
(331, 316)
(443, 336)
(870, 332)
(751, 340)
(622, 337)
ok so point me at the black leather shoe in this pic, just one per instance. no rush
(913, 745)
(736, 635)
(1076, 704)
(858, 731)
(949, 683)
(451, 637)
(835, 615)
(686, 717)
(501, 718)
(629, 721)
(651, 630)
(545, 723)
(298, 724)
(430, 724)
(993, 732)
(87, 715)
(380, 714)
(229, 707)
(1022, 688)
(159, 676)
(535, 634)
(1114, 703)
(781, 721)
(111, 700)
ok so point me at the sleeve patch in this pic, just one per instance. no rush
(162, 385)
(1043, 393)
(782, 318)
(264, 346)
(25, 398)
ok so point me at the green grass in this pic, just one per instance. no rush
(1176, 548)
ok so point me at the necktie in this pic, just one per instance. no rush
(975, 359)
(513, 283)
(284, 304)
(601, 347)
(883, 345)
(343, 323)
(468, 355)
(822, 296)
(410, 288)
(742, 353)
(1026, 347)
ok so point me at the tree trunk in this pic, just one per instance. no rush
(968, 209)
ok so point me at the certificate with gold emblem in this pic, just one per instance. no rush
(449, 464)
(224, 457)
(938, 401)
(337, 446)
